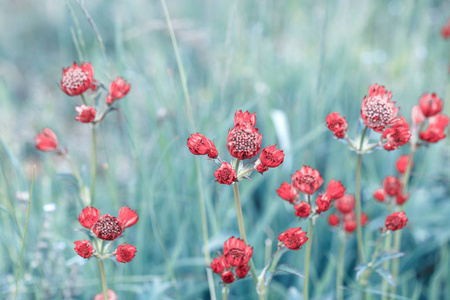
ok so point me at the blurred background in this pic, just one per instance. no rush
(290, 62)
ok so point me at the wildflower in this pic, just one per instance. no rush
(111, 295)
(242, 271)
(402, 163)
(417, 116)
(333, 220)
(401, 199)
(125, 253)
(392, 185)
(430, 105)
(225, 174)
(236, 253)
(433, 134)
(86, 114)
(345, 204)
(46, 141)
(323, 202)
(337, 124)
(77, 79)
(445, 31)
(84, 248)
(127, 217)
(107, 228)
(379, 195)
(293, 238)
(287, 192)
(350, 225)
(302, 209)
(377, 111)
(396, 221)
(307, 180)
(199, 145)
(117, 90)
(269, 158)
(89, 216)
(218, 265)
(244, 142)
(228, 277)
(397, 135)
(364, 219)
(244, 118)
(335, 189)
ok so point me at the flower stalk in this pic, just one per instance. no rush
(359, 236)
(308, 254)
(340, 268)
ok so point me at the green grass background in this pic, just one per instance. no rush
(299, 60)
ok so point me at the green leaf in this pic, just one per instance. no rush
(289, 269)
(386, 275)
(360, 270)
(385, 256)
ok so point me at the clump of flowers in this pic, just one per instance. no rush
(345, 216)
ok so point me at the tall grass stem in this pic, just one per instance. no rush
(359, 235)
(308, 258)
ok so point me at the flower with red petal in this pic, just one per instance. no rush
(46, 141)
(117, 90)
(377, 111)
(89, 216)
(364, 219)
(345, 204)
(323, 202)
(350, 225)
(402, 163)
(433, 134)
(333, 220)
(416, 115)
(302, 210)
(107, 228)
(307, 180)
(77, 79)
(217, 265)
(287, 192)
(111, 295)
(445, 31)
(396, 221)
(430, 104)
(242, 271)
(228, 277)
(236, 253)
(401, 199)
(379, 195)
(293, 238)
(84, 248)
(225, 174)
(199, 145)
(439, 120)
(397, 135)
(392, 185)
(244, 142)
(271, 157)
(86, 114)
(127, 217)
(335, 189)
(244, 118)
(125, 253)
(261, 168)
(337, 124)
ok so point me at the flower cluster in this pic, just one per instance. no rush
(429, 109)
(243, 142)
(234, 260)
(396, 221)
(391, 191)
(293, 238)
(106, 228)
(345, 215)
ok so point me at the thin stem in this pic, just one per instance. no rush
(387, 247)
(366, 274)
(359, 235)
(340, 269)
(225, 290)
(274, 260)
(24, 234)
(94, 165)
(101, 267)
(308, 258)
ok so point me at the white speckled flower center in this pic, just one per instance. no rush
(378, 111)
(73, 78)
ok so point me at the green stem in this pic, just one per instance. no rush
(274, 261)
(366, 274)
(307, 259)
(24, 234)
(101, 267)
(225, 290)
(385, 285)
(94, 165)
(359, 235)
(340, 269)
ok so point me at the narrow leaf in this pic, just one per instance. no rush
(289, 269)
(385, 256)
(360, 270)
(386, 275)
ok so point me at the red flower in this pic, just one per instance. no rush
(46, 141)
(88, 217)
(323, 202)
(376, 110)
(333, 220)
(402, 163)
(337, 124)
(439, 120)
(302, 210)
(127, 217)
(261, 168)
(199, 145)
(271, 157)
(335, 189)
(293, 238)
(396, 221)
(225, 174)
(397, 135)
(401, 199)
(84, 248)
(307, 180)
(107, 228)
(350, 225)
(242, 271)
(245, 119)
(244, 142)
(287, 192)
(228, 277)
(77, 79)
(379, 195)
(430, 104)
(416, 115)
(111, 295)
(86, 114)
(345, 204)
(236, 253)
(433, 134)
(392, 185)
(218, 265)
(445, 31)
(125, 253)
(364, 219)
(117, 90)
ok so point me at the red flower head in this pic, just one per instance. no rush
(416, 115)
(345, 204)
(430, 105)
(307, 180)
(77, 79)
(271, 157)
(88, 217)
(439, 120)
(379, 195)
(392, 185)
(244, 142)
(125, 253)
(244, 119)
(433, 134)
(242, 271)
(236, 253)
(46, 141)
(335, 189)
(333, 220)
(228, 277)
(287, 192)
(397, 135)
(337, 124)
(225, 174)
(350, 225)
(218, 265)
(107, 228)
(323, 202)
(111, 295)
(364, 219)
(261, 168)
(84, 248)
(127, 217)
(199, 145)
(86, 114)
(445, 31)
(400, 199)
(117, 90)
(302, 209)
(396, 221)
(402, 163)
(293, 238)
(376, 110)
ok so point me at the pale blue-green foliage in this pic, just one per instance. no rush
(298, 59)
